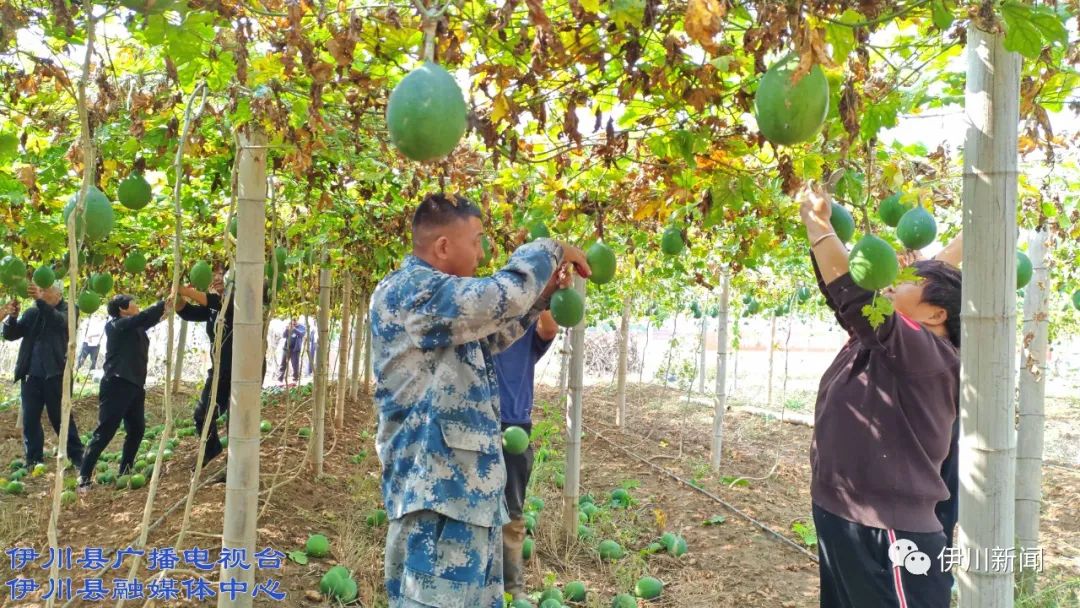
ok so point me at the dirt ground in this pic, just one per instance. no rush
(731, 562)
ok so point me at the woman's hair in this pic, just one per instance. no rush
(941, 287)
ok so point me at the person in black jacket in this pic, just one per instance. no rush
(122, 396)
(40, 367)
(205, 307)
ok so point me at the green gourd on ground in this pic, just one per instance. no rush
(610, 550)
(575, 591)
(317, 546)
(648, 588)
(515, 440)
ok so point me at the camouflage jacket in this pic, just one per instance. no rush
(433, 336)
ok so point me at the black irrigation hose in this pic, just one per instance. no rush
(726, 504)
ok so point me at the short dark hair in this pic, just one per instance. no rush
(117, 303)
(941, 287)
(437, 209)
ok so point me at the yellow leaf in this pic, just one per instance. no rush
(500, 108)
(593, 6)
(704, 19)
(646, 211)
(661, 518)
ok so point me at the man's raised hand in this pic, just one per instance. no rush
(576, 257)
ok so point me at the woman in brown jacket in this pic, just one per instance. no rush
(883, 428)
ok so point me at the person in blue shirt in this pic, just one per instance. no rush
(435, 328)
(515, 368)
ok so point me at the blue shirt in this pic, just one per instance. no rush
(515, 368)
(433, 337)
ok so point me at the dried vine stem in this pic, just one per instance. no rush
(190, 113)
(73, 275)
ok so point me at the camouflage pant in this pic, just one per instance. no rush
(435, 561)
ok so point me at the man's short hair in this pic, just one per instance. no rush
(117, 303)
(437, 210)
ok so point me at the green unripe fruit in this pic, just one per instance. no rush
(88, 302)
(791, 112)
(515, 440)
(44, 277)
(601, 260)
(426, 113)
(1023, 270)
(200, 275)
(134, 192)
(892, 209)
(317, 546)
(567, 307)
(842, 222)
(873, 264)
(135, 262)
(917, 228)
(101, 283)
(671, 243)
(96, 220)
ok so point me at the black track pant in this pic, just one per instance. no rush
(857, 571)
(119, 401)
(213, 442)
(45, 394)
(289, 358)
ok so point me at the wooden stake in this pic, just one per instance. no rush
(1032, 420)
(988, 319)
(571, 489)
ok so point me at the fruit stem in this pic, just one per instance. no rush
(430, 26)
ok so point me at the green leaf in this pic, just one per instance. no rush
(941, 13)
(715, 520)
(735, 481)
(877, 311)
(1029, 28)
(811, 166)
(808, 533)
(627, 12)
(299, 557)
(842, 37)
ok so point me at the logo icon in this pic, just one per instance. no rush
(904, 553)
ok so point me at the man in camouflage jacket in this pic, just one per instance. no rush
(435, 328)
